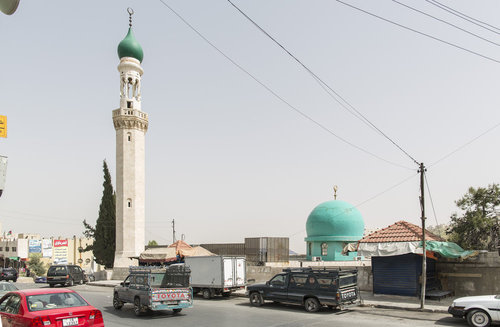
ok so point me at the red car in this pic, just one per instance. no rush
(47, 307)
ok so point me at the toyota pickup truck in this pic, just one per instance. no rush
(312, 288)
(155, 288)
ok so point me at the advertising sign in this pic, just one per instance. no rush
(3, 126)
(47, 248)
(60, 252)
(34, 246)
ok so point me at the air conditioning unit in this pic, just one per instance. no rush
(316, 258)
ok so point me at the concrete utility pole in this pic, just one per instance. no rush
(424, 254)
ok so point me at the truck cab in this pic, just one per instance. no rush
(155, 288)
(312, 288)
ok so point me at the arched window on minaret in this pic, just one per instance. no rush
(129, 203)
(129, 137)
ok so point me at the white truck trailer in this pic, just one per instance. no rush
(216, 275)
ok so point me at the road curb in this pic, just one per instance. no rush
(395, 307)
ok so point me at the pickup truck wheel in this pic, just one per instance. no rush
(478, 318)
(311, 304)
(71, 282)
(256, 299)
(137, 306)
(207, 294)
(117, 304)
(176, 311)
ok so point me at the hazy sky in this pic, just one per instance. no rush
(225, 157)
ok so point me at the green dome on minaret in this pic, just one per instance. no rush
(129, 47)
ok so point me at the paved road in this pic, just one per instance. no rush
(236, 311)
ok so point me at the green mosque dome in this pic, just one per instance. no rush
(129, 47)
(335, 221)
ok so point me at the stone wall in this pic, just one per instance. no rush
(479, 275)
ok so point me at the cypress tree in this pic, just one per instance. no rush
(105, 228)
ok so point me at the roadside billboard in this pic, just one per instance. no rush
(47, 248)
(60, 249)
(35, 246)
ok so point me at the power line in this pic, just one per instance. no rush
(430, 197)
(371, 198)
(465, 144)
(463, 16)
(304, 115)
(319, 80)
(445, 22)
(421, 33)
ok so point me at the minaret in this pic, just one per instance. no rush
(131, 124)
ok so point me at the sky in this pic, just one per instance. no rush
(226, 157)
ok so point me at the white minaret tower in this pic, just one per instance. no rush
(131, 124)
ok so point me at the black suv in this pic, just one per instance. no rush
(309, 287)
(8, 273)
(65, 275)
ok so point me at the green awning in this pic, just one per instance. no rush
(448, 249)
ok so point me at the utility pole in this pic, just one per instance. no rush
(424, 254)
(173, 230)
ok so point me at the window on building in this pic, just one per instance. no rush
(129, 137)
(309, 248)
(1, 248)
(7, 249)
(14, 249)
(324, 248)
(129, 104)
(129, 203)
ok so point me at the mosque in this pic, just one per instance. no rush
(330, 228)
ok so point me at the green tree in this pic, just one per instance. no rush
(104, 233)
(36, 265)
(477, 228)
(152, 243)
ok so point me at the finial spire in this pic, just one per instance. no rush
(335, 188)
(130, 13)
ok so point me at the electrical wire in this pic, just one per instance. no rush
(445, 22)
(304, 115)
(321, 82)
(463, 16)
(465, 144)
(430, 197)
(371, 198)
(418, 32)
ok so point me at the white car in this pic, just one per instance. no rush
(480, 311)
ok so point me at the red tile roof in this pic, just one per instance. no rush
(402, 231)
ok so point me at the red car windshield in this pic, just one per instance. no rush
(54, 301)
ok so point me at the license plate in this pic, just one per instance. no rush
(70, 322)
(348, 295)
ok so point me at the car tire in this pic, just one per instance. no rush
(478, 318)
(256, 299)
(207, 293)
(137, 306)
(52, 285)
(71, 282)
(176, 311)
(311, 304)
(80, 282)
(14, 280)
(117, 304)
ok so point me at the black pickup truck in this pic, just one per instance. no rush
(312, 288)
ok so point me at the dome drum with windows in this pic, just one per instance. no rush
(330, 228)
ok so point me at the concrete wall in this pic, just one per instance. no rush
(479, 275)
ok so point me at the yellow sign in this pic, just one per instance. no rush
(3, 126)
